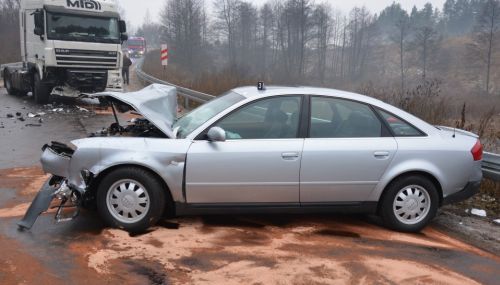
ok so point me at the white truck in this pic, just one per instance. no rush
(68, 47)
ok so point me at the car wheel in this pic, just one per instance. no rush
(41, 92)
(409, 203)
(130, 198)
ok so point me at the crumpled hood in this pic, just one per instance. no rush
(157, 103)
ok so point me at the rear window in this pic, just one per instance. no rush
(399, 127)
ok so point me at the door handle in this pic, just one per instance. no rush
(381, 154)
(290, 155)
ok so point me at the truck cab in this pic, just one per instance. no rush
(68, 47)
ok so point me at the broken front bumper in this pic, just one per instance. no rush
(55, 160)
(39, 205)
(54, 188)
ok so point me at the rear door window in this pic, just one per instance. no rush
(399, 127)
(340, 118)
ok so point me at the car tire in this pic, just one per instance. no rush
(409, 203)
(41, 92)
(133, 208)
(7, 82)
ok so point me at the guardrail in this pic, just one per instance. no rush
(187, 94)
(491, 166)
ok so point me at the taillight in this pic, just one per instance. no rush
(477, 151)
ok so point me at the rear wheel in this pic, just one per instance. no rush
(8, 83)
(409, 203)
(131, 198)
(40, 90)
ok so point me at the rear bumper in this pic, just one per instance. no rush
(469, 190)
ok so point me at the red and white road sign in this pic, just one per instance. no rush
(164, 54)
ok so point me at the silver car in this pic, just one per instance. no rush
(279, 149)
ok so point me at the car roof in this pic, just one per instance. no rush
(252, 91)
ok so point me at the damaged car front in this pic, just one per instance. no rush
(144, 142)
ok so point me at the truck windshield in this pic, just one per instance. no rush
(135, 43)
(67, 27)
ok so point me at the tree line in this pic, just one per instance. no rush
(309, 42)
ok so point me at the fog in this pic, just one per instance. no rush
(136, 10)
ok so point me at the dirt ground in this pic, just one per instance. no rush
(270, 249)
(278, 249)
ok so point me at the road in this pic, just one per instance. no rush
(277, 249)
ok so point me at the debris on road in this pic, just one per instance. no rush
(33, 125)
(19, 114)
(58, 110)
(31, 115)
(21, 119)
(478, 212)
(497, 222)
(81, 109)
(10, 116)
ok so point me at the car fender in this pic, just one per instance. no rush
(164, 157)
(406, 166)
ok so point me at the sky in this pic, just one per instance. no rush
(135, 10)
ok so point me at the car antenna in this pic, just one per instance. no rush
(454, 132)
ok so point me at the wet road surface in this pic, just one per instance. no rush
(272, 249)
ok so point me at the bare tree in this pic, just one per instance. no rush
(226, 20)
(182, 29)
(402, 28)
(485, 38)
(426, 42)
(322, 29)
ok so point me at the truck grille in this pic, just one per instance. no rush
(87, 58)
(87, 80)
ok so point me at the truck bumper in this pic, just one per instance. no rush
(469, 190)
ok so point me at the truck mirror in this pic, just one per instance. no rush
(39, 23)
(124, 37)
(123, 26)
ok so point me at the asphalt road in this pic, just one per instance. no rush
(276, 249)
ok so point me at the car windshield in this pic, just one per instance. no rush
(205, 112)
(67, 27)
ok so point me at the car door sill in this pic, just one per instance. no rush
(187, 209)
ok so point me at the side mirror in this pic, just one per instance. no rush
(39, 23)
(124, 37)
(38, 31)
(216, 134)
(122, 26)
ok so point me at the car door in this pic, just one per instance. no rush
(258, 163)
(347, 152)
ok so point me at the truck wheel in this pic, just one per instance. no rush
(7, 82)
(130, 198)
(409, 203)
(40, 91)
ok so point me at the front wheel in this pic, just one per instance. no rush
(41, 92)
(409, 203)
(130, 198)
